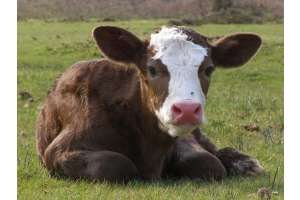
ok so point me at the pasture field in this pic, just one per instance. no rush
(245, 109)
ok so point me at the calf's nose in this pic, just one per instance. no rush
(187, 113)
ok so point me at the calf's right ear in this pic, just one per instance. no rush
(118, 44)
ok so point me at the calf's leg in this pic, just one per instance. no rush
(232, 159)
(189, 159)
(90, 165)
(94, 166)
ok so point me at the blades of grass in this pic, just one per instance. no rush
(274, 178)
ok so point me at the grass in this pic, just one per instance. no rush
(251, 95)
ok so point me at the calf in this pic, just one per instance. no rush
(137, 113)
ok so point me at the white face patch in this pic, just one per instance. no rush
(183, 59)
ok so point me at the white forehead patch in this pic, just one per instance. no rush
(182, 59)
(172, 45)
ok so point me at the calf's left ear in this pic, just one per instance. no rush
(118, 44)
(235, 50)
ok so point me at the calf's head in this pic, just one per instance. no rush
(176, 63)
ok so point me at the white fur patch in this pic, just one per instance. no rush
(183, 59)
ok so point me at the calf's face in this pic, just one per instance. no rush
(177, 64)
(178, 71)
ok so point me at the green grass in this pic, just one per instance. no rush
(252, 94)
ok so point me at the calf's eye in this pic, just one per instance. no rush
(209, 70)
(152, 71)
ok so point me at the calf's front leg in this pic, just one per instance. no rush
(188, 159)
(234, 161)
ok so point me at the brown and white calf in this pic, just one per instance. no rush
(137, 113)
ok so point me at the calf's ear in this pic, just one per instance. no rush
(118, 44)
(235, 50)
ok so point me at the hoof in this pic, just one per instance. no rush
(235, 162)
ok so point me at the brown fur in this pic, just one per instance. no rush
(98, 121)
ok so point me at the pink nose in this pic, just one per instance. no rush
(187, 113)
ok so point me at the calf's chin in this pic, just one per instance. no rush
(180, 130)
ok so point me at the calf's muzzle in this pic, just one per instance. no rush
(187, 113)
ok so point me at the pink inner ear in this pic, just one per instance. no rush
(118, 41)
(117, 44)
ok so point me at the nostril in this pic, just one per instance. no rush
(198, 110)
(176, 110)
